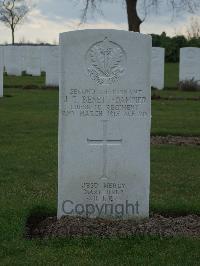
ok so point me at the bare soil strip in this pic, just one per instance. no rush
(157, 225)
(175, 140)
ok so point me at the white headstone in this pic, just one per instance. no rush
(104, 124)
(43, 57)
(189, 64)
(158, 68)
(1, 71)
(12, 60)
(33, 61)
(52, 65)
(23, 55)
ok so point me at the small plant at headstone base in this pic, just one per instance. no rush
(189, 85)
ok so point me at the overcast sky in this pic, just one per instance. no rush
(49, 17)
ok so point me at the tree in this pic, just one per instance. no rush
(134, 19)
(12, 13)
(193, 31)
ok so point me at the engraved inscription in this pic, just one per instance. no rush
(104, 142)
(105, 62)
(105, 192)
(112, 103)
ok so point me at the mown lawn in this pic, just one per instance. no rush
(176, 117)
(18, 82)
(171, 75)
(28, 177)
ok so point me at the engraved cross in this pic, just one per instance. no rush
(105, 142)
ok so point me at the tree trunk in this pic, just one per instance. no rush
(13, 36)
(133, 19)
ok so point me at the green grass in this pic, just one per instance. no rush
(28, 176)
(177, 94)
(175, 179)
(176, 117)
(171, 75)
(18, 82)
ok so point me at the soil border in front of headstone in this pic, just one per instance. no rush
(156, 225)
(175, 140)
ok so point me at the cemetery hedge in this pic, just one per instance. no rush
(28, 176)
(173, 44)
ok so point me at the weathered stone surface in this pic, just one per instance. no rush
(23, 56)
(104, 124)
(1, 70)
(52, 65)
(13, 60)
(157, 68)
(33, 60)
(43, 61)
(189, 64)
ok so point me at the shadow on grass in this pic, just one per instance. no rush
(6, 96)
(36, 216)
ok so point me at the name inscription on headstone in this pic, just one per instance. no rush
(107, 103)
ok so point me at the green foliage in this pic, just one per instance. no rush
(172, 45)
(189, 85)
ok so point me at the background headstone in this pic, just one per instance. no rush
(1, 70)
(33, 60)
(43, 58)
(52, 65)
(104, 124)
(158, 68)
(12, 60)
(189, 64)
(23, 56)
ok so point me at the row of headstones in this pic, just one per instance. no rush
(36, 59)
(33, 60)
(189, 68)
